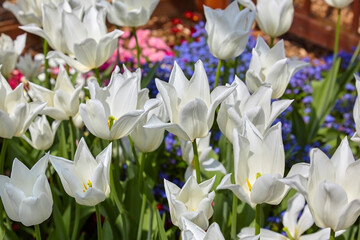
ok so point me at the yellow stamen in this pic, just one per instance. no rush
(111, 121)
(258, 175)
(249, 185)
(89, 184)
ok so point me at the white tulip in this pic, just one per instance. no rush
(16, 114)
(204, 149)
(258, 108)
(86, 178)
(193, 202)
(28, 12)
(29, 67)
(190, 105)
(148, 139)
(329, 187)
(89, 48)
(228, 30)
(193, 232)
(270, 66)
(274, 17)
(294, 225)
(42, 135)
(129, 13)
(53, 26)
(26, 195)
(63, 102)
(356, 112)
(259, 163)
(112, 112)
(10, 51)
(339, 3)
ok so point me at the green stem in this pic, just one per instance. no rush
(97, 75)
(67, 69)
(272, 39)
(37, 232)
(257, 219)
(332, 234)
(141, 172)
(337, 35)
(4, 146)
(98, 221)
(150, 223)
(62, 142)
(138, 50)
(134, 151)
(142, 212)
(76, 222)
(72, 137)
(234, 218)
(196, 161)
(218, 70)
(46, 64)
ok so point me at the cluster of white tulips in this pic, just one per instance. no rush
(244, 112)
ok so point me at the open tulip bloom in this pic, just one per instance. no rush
(193, 232)
(16, 114)
(42, 135)
(256, 107)
(294, 226)
(330, 187)
(193, 201)
(259, 163)
(190, 105)
(89, 48)
(270, 66)
(228, 30)
(86, 178)
(10, 51)
(26, 195)
(112, 112)
(63, 102)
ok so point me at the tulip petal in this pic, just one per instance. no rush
(236, 189)
(328, 203)
(267, 189)
(6, 125)
(90, 197)
(12, 199)
(125, 124)
(35, 210)
(95, 119)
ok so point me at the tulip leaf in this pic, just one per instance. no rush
(159, 223)
(107, 231)
(149, 76)
(59, 224)
(298, 127)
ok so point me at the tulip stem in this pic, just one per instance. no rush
(337, 35)
(141, 171)
(97, 75)
(234, 217)
(142, 211)
(37, 232)
(138, 50)
(271, 42)
(257, 219)
(134, 151)
(98, 221)
(46, 64)
(76, 222)
(4, 146)
(218, 73)
(332, 234)
(196, 161)
(72, 137)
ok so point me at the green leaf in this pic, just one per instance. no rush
(150, 75)
(59, 224)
